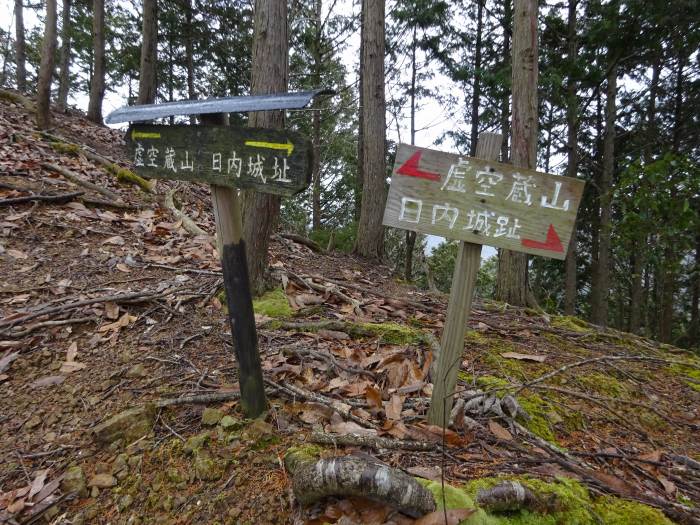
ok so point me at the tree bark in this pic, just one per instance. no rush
(316, 125)
(149, 53)
(476, 86)
(20, 48)
(370, 232)
(572, 157)
(48, 50)
(694, 328)
(512, 279)
(360, 120)
(410, 235)
(505, 99)
(97, 83)
(599, 306)
(189, 56)
(64, 75)
(269, 75)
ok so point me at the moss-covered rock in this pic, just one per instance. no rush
(272, 304)
(211, 416)
(128, 425)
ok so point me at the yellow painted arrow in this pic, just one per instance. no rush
(144, 135)
(271, 145)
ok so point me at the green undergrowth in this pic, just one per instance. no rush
(273, 304)
(603, 384)
(65, 148)
(689, 373)
(571, 323)
(571, 504)
(392, 333)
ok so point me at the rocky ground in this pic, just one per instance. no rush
(118, 386)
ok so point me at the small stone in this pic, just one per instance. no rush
(135, 461)
(33, 422)
(102, 467)
(128, 425)
(205, 467)
(102, 481)
(124, 502)
(228, 422)
(94, 493)
(91, 512)
(120, 464)
(256, 430)
(196, 442)
(211, 416)
(167, 503)
(136, 371)
(50, 437)
(74, 482)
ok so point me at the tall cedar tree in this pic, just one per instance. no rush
(20, 47)
(512, 280)
(269, 75)
(48, 50)
(64, 63)
(149, 50)
(370, 232)
(97, 83)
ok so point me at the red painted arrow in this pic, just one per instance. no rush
(410, 168)
(552, 244)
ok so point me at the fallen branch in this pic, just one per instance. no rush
(77, 179)
(330, 358)
(109, 204)
(187, 223)
(332, 290)
(199, 399)
(300, 239)
(508, 496)
(314, 479)
(44, 324)
(374, 442)
(61, 198)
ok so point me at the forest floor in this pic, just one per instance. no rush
(107, 303)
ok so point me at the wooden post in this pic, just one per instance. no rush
(458, 309)
(229, 230)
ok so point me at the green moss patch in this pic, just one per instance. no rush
(65, 148)
(392, 333)
(571, 323)
(690, 374)
(126, 176)
(273, 304)
(604, 384)
(574, 504)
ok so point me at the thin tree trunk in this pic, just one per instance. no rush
(64, 75)
(360, 121)
(189, 56)
(370, 232)
(512, 278)
(149, 53)
(570, 289)
(316, 125)
(269, 75)
(599, 308)
(48, 50)
(97, 84)
(20, 48)
(668, 287)
(505, 99)
(476, 88)
(411, 235)
(694, 329)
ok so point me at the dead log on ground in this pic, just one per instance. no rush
(300, 239)
(59, 199)
(314, 479)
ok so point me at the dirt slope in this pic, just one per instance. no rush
(108, 303)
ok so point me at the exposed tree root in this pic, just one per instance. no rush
(77, 179)
(313, 479)
(187, 223)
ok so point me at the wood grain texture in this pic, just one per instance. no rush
(482, 201)
(206, 153)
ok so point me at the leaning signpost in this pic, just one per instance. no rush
(228, 158)
(477, 201)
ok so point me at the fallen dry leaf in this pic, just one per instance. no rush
(373, 397)
(445, 517)
(393, 407)
(432, 473)
(524, 357)
(498, 431)
(38, 482)
(123, 321)
(332, 334)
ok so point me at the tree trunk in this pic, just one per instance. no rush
(20, 47)
(370, 232)
(360, 120)
(189, 57)
(599, 306)
(269, 75)
(694, 329)
(668, 287)
(48, 50)
(476, 88)
(316, 125)
(572, 158)
(97, 84)
(512, 279)
(411, 236)
(64, 75)
(149, 53)
(505, 99)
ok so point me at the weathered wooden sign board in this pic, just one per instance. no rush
(482, 202)
(266, 160)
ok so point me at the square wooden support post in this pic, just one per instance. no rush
(229, 229)
(458, 309)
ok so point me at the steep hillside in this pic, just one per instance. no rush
(118, 387)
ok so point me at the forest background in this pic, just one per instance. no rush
(618, 100)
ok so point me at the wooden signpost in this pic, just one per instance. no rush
(265, 160)
(478, 201)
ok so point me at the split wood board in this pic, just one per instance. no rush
(482, 202)
(266, 160)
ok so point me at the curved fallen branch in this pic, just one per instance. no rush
(374, 442)
(187, 222)
(313, 479)
(300, 239)
(77, 179)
